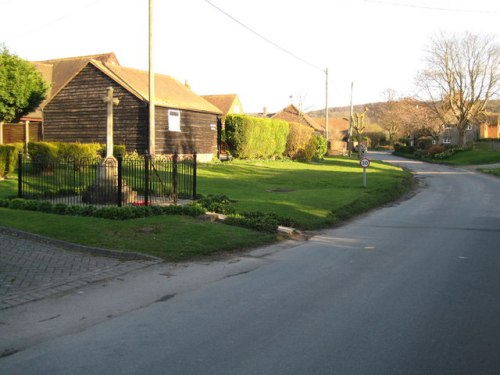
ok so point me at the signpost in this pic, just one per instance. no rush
(365, 163)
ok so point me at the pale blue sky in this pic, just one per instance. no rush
(376, 44)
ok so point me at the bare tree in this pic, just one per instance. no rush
(392, 116)
(358, 125)
(461, 75)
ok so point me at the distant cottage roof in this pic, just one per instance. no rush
(294, 114)
(223, 102)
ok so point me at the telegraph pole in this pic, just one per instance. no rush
(152, 138)
(349, 139)
(326, 109)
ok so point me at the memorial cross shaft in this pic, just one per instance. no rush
(111, 102)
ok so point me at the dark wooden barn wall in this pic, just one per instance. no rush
(197, 133)
(78, 113)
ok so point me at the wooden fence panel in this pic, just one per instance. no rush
(14, 133)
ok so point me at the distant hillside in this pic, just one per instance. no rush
(373, 114)
(375, 110)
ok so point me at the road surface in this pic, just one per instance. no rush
(412, 288)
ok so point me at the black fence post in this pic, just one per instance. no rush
(147, 161)
(20, 175)
(174, 177)
(120, 184)
(195, 166)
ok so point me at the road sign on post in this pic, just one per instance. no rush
(365, 163)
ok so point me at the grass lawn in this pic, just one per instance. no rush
(493, 171)
(170, 237)
(474, 157)
(308, 193)
(314, 195)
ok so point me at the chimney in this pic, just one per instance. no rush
(186, 83)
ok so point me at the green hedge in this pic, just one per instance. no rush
(70, 150)
(113, 212)
(8, 158)
(253, 137)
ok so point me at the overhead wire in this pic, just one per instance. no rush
(434, 8)
(274, 44)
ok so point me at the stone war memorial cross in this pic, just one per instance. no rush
(110, 103)
(105, 188)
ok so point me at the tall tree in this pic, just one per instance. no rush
(22, 87)
(392, 116)
(461, 75)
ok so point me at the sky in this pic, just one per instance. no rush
(269, 52)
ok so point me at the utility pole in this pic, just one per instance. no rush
(349, 137)
(152, 138)
(326, 111)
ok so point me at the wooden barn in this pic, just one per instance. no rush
(75, 110)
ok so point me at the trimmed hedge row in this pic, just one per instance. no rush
(264, 222)
(75, 151)
(114, 213)
(253, 137)
(250, 137)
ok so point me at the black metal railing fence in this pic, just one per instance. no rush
(142, 180)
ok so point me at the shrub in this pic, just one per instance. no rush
(400, 148)
(260, 223)
(436, 149)
(253, 137)
(78, 152)
(44, 153)
(376, 139)
(220, 204)
(320, 147)
(8, 158)
(118, 150)
(297, 140)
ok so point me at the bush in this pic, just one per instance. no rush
(298, 138)
(320, 147)
(424, 143)
(436, 149)
(262, 222)
(8, 158)
(253, 137)
(400, 148)
(118, 150)
(44, 153)
(220, 204)
(78, 152)
(376, 139)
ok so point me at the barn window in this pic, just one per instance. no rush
(174, 120)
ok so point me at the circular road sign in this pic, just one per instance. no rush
(365, 163)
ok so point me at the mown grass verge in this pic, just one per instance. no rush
(309, 195)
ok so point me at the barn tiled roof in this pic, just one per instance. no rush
(58, 72)
(63, 70)
(168, 91)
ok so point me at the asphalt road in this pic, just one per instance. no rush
(412, 288)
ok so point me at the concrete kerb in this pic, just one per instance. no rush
(117, 254)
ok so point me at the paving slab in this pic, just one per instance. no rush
(33, 267)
